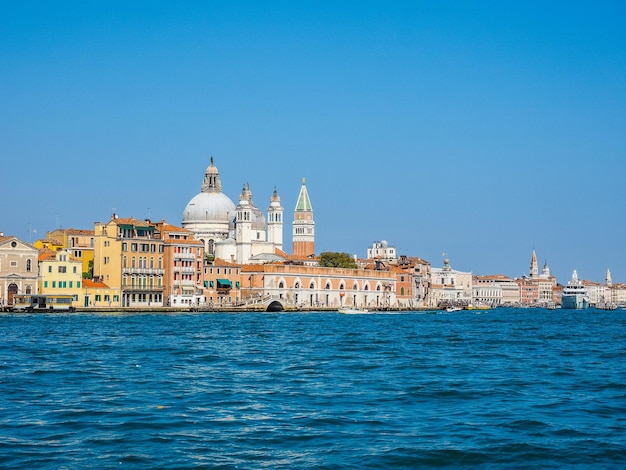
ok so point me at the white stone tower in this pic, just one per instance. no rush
(243, 226)
(275, 221)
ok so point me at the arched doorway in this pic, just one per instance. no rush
(12, 291)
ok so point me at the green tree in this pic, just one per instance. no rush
(330, 259)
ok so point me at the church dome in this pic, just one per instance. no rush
(210, 205)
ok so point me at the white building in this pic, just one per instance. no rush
(449, 286)
(239, 233)
(383, 252)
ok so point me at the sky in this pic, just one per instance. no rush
(479, 131)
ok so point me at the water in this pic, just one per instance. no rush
(504, 388)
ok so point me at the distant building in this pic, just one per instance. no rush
(382, 251)
(18, 269)
(495, 290)
(449, 286)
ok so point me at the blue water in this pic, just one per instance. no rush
(504, 388)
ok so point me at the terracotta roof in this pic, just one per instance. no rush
(94, 284)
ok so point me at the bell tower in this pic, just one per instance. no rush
(303, 233)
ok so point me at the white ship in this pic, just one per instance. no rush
(575, 294)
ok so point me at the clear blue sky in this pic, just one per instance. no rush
(480, 129)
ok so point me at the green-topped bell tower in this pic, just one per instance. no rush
(303, 237)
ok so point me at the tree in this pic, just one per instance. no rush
(330, 259)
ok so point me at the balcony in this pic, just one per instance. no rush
(148, 271)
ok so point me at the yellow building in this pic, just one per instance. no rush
(79, 243)
(59, 273)
(129, 256)
(97, 294)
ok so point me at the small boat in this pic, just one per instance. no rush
(352, 310)
(453, 309)
(478, 307)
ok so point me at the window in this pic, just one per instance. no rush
(63, 269)
(74, 270)
(50, 268)
(28, 265)
(45, 284)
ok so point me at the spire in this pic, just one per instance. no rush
(609, 281)
(304, 203)
(534, 267)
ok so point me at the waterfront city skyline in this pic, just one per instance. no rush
(483, 131)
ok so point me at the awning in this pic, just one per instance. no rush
(224, 283)
(237, 284)
(206, 283)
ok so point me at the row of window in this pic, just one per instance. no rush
(143, 247)
(61, 284)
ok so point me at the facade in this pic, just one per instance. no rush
(382, 251)
(19, 269)
(129, 256)
(60, 273)
(222, 281)
(313, 286)
(450, 287)
(96, 294)
(183, 261)
(79, 243)
(238, 233)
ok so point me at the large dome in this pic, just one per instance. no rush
(209, 207)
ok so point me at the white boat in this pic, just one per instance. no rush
(454, 309)
(575, 294)
(352, 310)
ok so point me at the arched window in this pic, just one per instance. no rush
(312, 285)
(327, 286)
(296, 285)
(281, 285)
(401, 290)
(28, 265)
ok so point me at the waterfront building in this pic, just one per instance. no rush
(60, 273)
(618, 294)
(129, 256)
(449, 286)
(18, 269)
(305, 286)
(412, 281)
(495, 290)
(222, 281)
(183, 262)
(96, 294)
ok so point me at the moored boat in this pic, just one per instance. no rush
(352, 310)
(575, 295)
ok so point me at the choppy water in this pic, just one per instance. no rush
(505, 388)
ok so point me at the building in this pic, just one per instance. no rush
(60, 273)
(450, 287)
(238, 233)
(19, 269)
(305, 286)
(130, 257)
(183, 261)
(96, 294)
(79, 243)
(382, 251)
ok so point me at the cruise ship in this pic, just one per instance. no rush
(575, 295)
